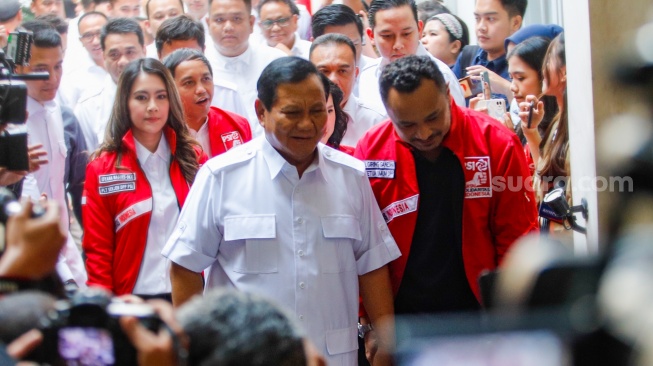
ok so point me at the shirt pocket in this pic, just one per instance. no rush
(336, 251)
(342, 340)
(251, 240)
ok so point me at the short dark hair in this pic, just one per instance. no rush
(230, 327)
(182, 55)
(179, 28)
(377, 5)
(334, 15)
(147, 8)
(332, 39)
(406, 74)
(90, 14)
(248, 4)
(340, 125)
(45, 36)
(291, 4)
(515, 7)
(429, 8)
(285, 70)
(59, 24)
(121, 26)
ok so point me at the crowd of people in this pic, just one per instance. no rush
(329, 162)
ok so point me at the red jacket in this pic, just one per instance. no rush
(493, 218)
(117, 206)
(227, 130)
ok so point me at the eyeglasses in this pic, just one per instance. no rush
(89, 36)
(282, 22)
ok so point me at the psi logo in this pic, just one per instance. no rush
(478, 177)
(231, 140)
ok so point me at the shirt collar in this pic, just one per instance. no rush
(34, 107)
(495, 65)
(276, 162)
(162, 151)
(245, 57)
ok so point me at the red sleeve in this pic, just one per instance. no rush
(99, 234)
(513, 211)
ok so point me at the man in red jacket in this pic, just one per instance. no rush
(452, 185)
(217, 130)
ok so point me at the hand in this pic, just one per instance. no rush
(473, 104)
(24, 344)
(524, 111)
(507, 121)
(154, 348)
(8, 177)
(282, 47)
(33, 245)
(498, 84)
(35, 153)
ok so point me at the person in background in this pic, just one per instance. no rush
(215, 129)
(278, 22)
(157, 11)
(336, 125)
(43, 7)
(137, 182)
(11, 15)
(125, 8)
(444, 36)
(428, 8)
(197, 9)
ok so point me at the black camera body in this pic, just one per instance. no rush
(86, 331)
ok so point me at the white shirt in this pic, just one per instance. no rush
(202, 136)
(244, 71)
(369, 81)
(363, 63)
(93, 111)
(301, 48)
(226, 97)
(45, 126)
(301, 242)
(73, 57)
(150, 51)
(361, 119)
(154, 274)
(304, 22)
(75, 82)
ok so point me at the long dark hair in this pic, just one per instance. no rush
(555, 156)
(120, 121)
(532, 51)
(340, 126)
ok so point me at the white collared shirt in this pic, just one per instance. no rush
(363, 63)
(202, 136)
(76, 82)
(301, 48)
(227, 98)
(258, 227)
(45, 126)
(244, 71)
(154, 274)
(150, 51)
(361, 119)
(369, 92)
(93, 111)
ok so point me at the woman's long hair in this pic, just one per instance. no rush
(532, 51)
(120, 121)
(340, 126)
(555, 156)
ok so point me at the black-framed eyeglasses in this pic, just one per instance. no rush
(282, 22)
(88, 36)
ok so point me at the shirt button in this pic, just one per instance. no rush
(302, 285)
(301, 317)
(300, 220)
(300, 253)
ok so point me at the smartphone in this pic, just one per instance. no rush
(487, 90)
(496, 108)
(466, 85)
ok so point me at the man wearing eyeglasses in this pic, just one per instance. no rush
(88, 72)
(231, 55)
(122, 41)
(279, 25)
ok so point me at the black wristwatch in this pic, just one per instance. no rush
(363, 329)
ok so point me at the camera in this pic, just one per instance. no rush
(9, 206)
(85, 331)
(13, 101)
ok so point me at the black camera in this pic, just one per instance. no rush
(13, 101)
(84, 331)
(9, 206)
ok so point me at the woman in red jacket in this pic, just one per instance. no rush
(137, 182)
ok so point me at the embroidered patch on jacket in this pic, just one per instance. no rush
(478, 177)
(120, 177)
(122, 187)
(400, 208)
(132, 212)
(231, 140)
(380, 169)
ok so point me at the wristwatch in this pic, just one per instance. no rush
(363, 329)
